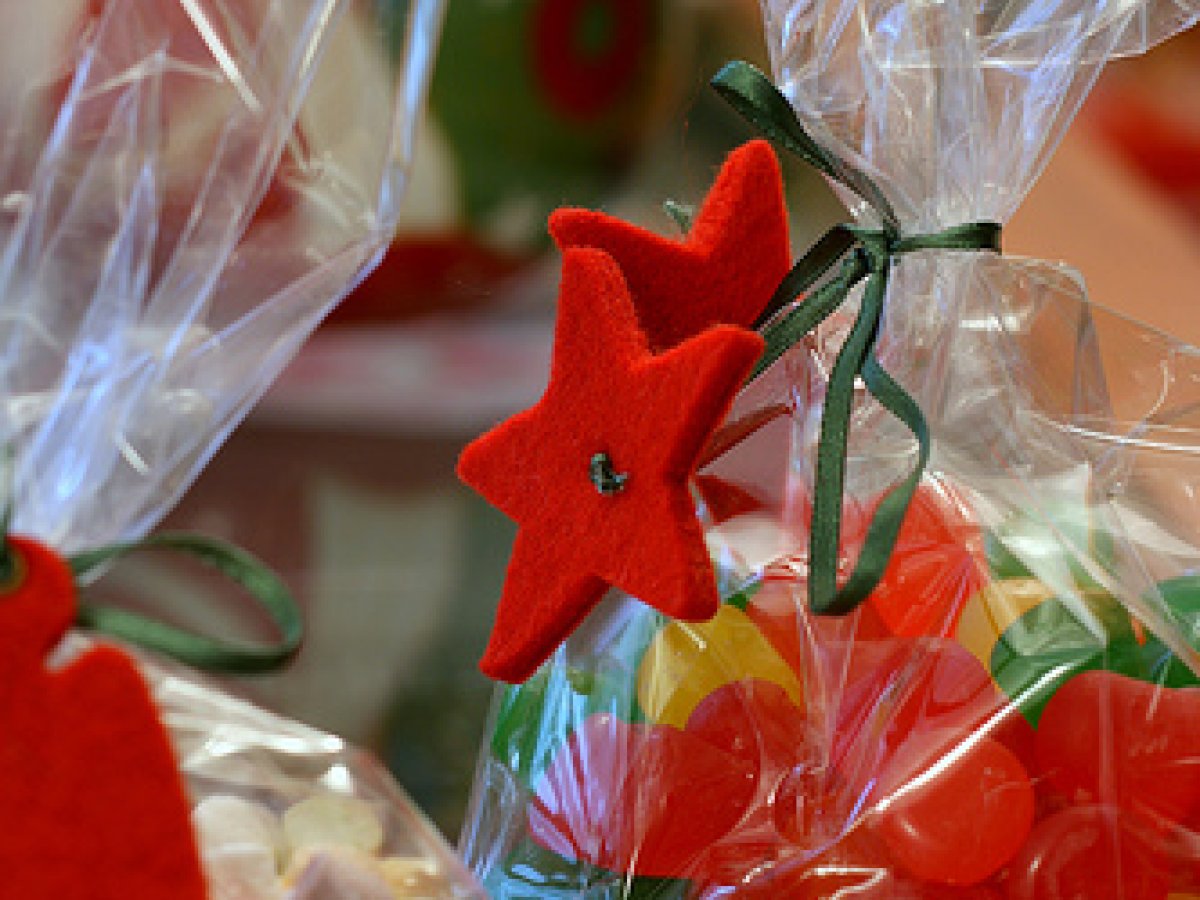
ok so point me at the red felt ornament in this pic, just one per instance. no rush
(596, 473)
(90, 796)
(724, 272)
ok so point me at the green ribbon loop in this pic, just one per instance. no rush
(864, 253)
(253, 576)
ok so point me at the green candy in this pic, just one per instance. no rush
(1049, 645)
(1182, 596)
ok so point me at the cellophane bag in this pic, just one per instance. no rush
(187, 187)
(1013, 712)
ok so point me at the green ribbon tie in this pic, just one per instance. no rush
(864, 253)
(262, 585)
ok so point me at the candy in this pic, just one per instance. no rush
(644, 799)
(1088, 852)
(892, 688)
(1105, 737)
(776, 608)
(687, 661)
(336, 872)
(413, 877)
(333, 820)
(222, 821)
(755, 721)
(534, 718)
(952, 811)
(1182, 597)
(242, 871)
(1049, 644)
(934, 569)
(990, 611)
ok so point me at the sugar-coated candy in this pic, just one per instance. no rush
(223, 820)
(242, 871)
(333, 820)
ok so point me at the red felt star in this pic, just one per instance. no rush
(726, 269)
(90, 796)
(651, 416)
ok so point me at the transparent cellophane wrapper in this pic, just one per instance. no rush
(188, 186)
(1014, 711)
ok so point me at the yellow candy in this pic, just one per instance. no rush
(687, 661)
(989, 612)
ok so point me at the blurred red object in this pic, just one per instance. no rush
(1137, 110)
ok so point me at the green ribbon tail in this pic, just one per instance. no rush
(252, 575)
(882, 533)
(830, 476)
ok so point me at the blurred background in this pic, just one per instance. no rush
(343, 478)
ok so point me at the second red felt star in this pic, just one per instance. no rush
(596, 473)
(726, 270)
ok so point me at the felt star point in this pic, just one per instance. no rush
(645, 418)
(727, 268)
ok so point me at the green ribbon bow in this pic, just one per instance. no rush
(866, 253)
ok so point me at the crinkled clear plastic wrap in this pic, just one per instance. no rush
(187, 187)
(1013, 712)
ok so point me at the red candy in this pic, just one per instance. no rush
(776, 609)
(895, 688)
(934, 570)
(644, 799)
(1088, 852)
(754, 721)
(1107, 738)
(954, 811)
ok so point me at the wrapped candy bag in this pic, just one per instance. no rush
(188, 188)
(935, 634)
